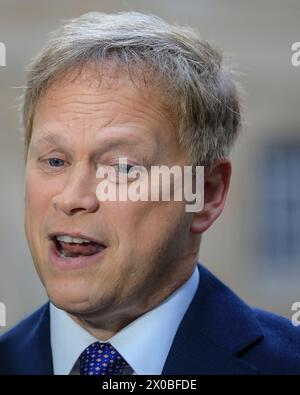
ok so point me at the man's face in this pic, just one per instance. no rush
(142, 249)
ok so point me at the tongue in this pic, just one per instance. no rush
(76, 249)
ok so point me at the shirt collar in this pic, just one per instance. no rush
(155, 329)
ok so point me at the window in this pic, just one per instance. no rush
(280, 198)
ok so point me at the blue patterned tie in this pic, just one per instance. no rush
(101, 359)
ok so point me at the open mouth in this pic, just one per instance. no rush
(73, 247)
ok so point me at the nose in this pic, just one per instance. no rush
(78, 195)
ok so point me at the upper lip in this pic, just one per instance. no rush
(53, 235)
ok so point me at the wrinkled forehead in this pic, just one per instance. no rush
(85, 86)
(141, 79)
(115, 110)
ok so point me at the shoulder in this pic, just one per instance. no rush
(280, 346)
(25, 338)
(277, 327)
(23, 328)
(266, 340)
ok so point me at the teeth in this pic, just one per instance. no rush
(62, 254)
(69, 239)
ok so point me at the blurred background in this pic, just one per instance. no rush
(254, 247)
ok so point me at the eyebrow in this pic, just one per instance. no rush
(108, 142)
(51, 139)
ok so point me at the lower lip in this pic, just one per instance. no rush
(73, 263)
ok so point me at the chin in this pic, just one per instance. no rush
(77, 299)
(66, 292)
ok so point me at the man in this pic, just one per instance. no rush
(127, 295)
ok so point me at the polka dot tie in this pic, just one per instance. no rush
(101, 359)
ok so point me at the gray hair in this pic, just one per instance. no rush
(201, 91)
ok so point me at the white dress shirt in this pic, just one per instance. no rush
(155, 329)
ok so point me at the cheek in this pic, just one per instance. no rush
(144, 225)
(38, 197)
(35, 195)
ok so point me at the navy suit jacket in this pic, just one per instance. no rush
(219, 334)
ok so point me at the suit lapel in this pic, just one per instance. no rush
(215, 330)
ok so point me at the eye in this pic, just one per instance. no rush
(55, 162)
(123, 168)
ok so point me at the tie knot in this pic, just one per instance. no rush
(101, 359)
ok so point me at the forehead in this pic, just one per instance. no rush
(83, 102)
(112, 86)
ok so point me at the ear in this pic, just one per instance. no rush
(216, 185)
